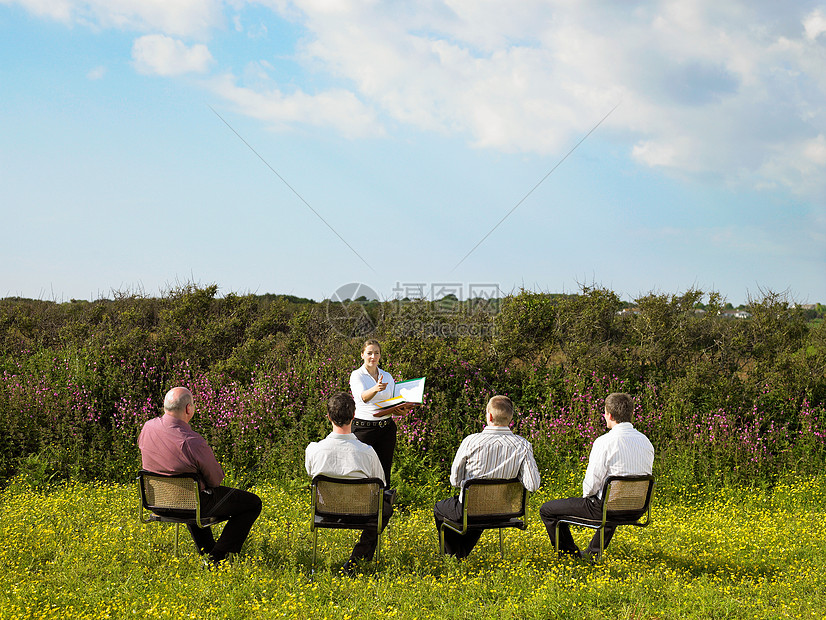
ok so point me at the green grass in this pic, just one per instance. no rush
(79, 551)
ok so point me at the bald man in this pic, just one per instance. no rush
(169, 446)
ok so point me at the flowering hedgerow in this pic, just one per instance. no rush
(265, 423)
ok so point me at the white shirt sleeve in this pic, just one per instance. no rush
(357, 385)
(309, 451)
(597, 469)
(529, 475)
(457, 470)
(376, 470)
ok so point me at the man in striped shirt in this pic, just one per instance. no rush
(494, 453)
(622, 451)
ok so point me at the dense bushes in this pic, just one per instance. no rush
(744, 397)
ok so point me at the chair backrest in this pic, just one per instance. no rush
(627, 496)
(343, 497)
(175, 492)
(497, 498)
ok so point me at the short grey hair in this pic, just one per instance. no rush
(177, 399)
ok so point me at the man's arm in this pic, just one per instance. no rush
(529, 473)
(457, 470)
(309, 451)
(376, 470)
(208, 467)
(597, 470)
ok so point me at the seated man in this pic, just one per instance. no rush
(622, 451)
(342, 455)
(169, 446)
(494, 453)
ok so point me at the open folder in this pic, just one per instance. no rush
(411, 391)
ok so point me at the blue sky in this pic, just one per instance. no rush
(412, 129)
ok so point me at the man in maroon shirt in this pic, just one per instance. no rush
(169, 446)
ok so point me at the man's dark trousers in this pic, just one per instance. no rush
(241, 507)
(455, 544)
(588, 507)
(366, 545)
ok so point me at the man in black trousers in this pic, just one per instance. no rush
(342, 455)
(494, 453)
(169, 446)
(622, 451)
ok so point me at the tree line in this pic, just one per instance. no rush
(745, 397)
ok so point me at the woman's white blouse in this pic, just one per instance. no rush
(361, 381)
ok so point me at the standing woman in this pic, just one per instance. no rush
(369, 385)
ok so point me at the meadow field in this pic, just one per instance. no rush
(79, 551)
(735, 408)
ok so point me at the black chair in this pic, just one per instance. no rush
(346, 504)
(627, 499)
(172, 499)
(489, 504)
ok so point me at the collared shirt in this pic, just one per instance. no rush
(361, 381)
(170, 446)
(622, 451)
(342, 456)
(495, 453)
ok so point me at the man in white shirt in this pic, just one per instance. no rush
(622, 451)
(494, 453)
(342, 455)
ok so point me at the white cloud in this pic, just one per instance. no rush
(655, 154)
(799, 165)
(97, 73)
(815, 24)
(733, 89)
(178, 17)
(335, 108)
(815, 150)
(254, 30)
(60, 10)
(727, 89)
(157, 54)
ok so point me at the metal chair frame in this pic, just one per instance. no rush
(618, 508)
(474, 518)
(178, 498)
(361, 515)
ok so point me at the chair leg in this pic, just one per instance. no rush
(378, 546)
(442, 539)
(315, 544)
